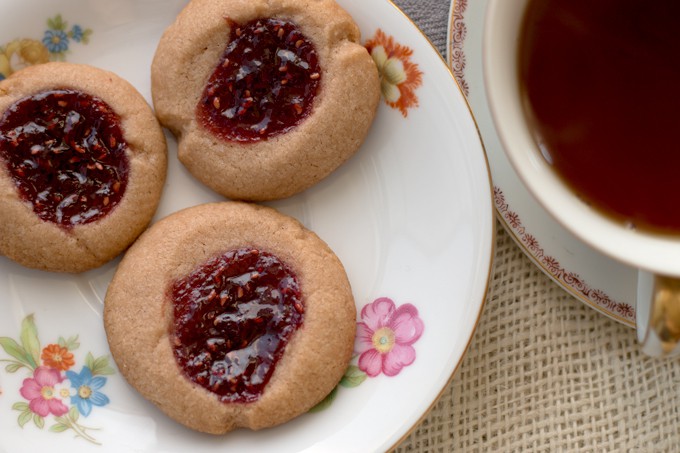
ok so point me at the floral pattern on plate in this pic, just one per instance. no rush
(52, 390)
(552, 264)
(458, 35)
(383, 344)
(54, 45)
(399, 76)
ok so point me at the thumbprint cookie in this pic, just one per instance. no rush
(266, 97)
(82, 166)
(229, 315)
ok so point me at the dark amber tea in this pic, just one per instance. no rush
(600, 81)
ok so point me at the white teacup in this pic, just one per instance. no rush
(656, 256)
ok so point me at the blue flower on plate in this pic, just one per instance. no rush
(77, 33)
(56, 41)
(87, 390)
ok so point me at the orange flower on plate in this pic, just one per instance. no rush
(57, 357)
(399, 76)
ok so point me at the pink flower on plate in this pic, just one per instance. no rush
(42, 394)
(385, 337)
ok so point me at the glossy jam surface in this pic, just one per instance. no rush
(264, 84)
(66, 155)
(233, 317)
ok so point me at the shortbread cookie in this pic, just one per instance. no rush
(266, 97)
(230, 315)
(82, 166)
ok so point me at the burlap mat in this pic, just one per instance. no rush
(544, 372)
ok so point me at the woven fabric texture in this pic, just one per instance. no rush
(544, 372)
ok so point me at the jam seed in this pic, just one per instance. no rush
(280, 32)
(112, 141)
(239, 292)
(106, 201)
(298, 43)
(216, 102)
(283, 68)
(116, 186)
(315, 76)
(298, 307)
(298, 108)
(238, 32)
(99, 166)
(62, 103)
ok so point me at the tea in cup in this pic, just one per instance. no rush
(584, 96)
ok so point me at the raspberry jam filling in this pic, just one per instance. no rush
(264, 84)
(66, 155)
(233, 317)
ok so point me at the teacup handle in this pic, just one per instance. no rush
(658, 314)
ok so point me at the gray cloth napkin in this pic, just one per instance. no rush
(431, 16)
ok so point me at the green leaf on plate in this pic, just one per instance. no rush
(100, 366)
(24, 418)
(353, 377)
(86, 36)
(39, 421)
(57, 23)
(58, 428)
(13, 348)
(20, 406)
(14, 367)
(73, 413)
(326, 402)
(71, 344)
(29, 340)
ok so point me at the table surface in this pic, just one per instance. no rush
(543, 371)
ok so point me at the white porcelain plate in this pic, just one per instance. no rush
(596, 280)
(410, 216)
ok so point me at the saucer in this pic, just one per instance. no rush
(598, 281)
